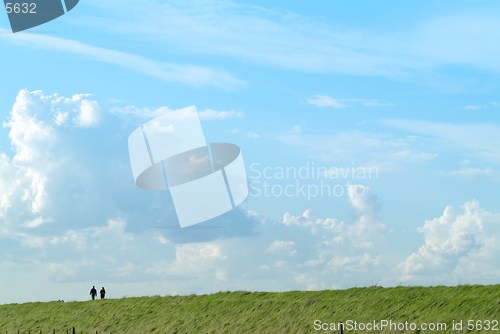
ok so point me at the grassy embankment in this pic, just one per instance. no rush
(258, 312)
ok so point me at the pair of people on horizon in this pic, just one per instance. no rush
(93, 292)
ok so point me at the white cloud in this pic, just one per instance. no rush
(252, 135)
(186, 74)
(282, 247)
(214, 114)
(113, 233)
(378, 150)
(496, 104)
(124, 270)
(480, 140)
(416, 51)
(309, 281)
(186, 112)
(326, 251)
(35, 124)
(408, 156)
(280, 264)
(308, 218)
(334, 251)
(30, 241)
(454, 242)
(59, 272)
(326, 101)
(474, 107)
(37, 222)
(460, 38)
(88, 115)
(362, 232)
(476, 173)
(197, 259)
(366, 228)
(363, 263)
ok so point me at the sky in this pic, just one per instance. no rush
(370, 134)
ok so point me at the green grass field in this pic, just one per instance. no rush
(261, 312)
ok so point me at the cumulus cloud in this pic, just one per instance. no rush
(104, 252)
(366, 227)
(334, 251)
(195, 259)
(113, 232)
(97, 234)
(308, 218)
(360, 232)
(87, 115)
(363, 263)
(284, 247)
(204, 260)
(461, 245)
(58, 215)
(33, 123)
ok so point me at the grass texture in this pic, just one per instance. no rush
(260, 312)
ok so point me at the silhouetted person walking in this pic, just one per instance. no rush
(103, 293)
(93, 292)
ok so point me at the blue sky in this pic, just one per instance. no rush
(410, 90)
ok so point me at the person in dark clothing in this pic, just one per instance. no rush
(103, 293)
(93, 292)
